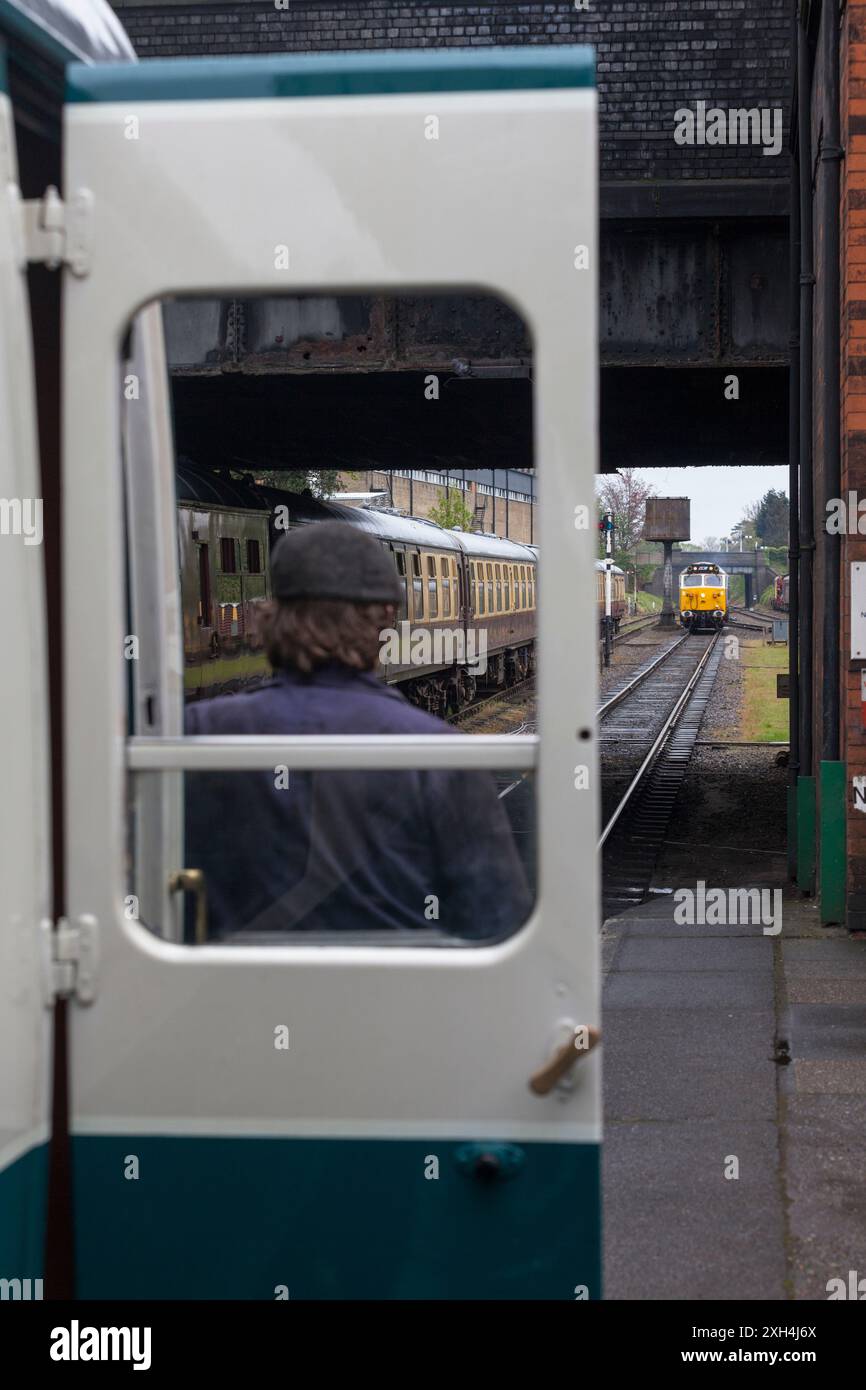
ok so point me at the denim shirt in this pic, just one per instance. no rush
(347, 850)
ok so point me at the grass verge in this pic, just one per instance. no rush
(764, 718)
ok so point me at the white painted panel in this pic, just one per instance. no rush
(24, 848)
(858, 611)
(383, 1040)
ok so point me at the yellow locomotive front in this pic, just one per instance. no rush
(703, 597)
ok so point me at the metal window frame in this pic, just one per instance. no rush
(334, 752)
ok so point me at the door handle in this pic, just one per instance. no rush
(582, 1040)
(192, 881)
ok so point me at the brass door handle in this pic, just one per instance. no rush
(192, 881)
(582, 1041)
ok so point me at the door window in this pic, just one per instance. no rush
(280, 849)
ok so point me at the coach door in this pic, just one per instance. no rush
(352, 1118)
(24, 855)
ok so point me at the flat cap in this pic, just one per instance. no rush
(333, 559)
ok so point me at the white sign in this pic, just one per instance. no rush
(858, 611)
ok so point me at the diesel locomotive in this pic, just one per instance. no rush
(703, 597)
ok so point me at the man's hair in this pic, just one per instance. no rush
(302, 634)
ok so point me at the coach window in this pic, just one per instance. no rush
(254, 557)
(417, 587)
(251, 838)
(400, 558)
(445, 570)
(432, 588)
(228, 555)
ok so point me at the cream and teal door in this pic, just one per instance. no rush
(313, 1119)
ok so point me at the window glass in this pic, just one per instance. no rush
(445, 569)
(400, 561)
(466, 837)
(432, 588)
(522, 586)
(228, 555)
(417, 587)
(286, 852)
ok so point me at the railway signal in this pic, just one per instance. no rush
(606, 526)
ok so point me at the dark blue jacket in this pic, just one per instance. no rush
(338, 851)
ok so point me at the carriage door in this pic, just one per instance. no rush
(24, 853)
(268, 1113)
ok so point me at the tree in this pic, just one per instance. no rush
(746, 527)
(321, 482)
(771, 518)
(451, 511)
(624, 494)
(711, 543)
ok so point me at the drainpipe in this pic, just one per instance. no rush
(832, 773)
(794, 512)
(806, 782)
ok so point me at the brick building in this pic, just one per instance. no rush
(499, 501)
(828, 442)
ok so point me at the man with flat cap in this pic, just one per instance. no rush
(333, 851)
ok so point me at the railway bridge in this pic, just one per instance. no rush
(694, 262)
(752, 564)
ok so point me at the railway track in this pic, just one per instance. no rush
(522, 688)
(634, 627)
(764, 622)
(679, 684)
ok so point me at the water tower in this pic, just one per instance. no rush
(668, 519)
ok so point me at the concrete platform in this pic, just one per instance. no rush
(730, 1051)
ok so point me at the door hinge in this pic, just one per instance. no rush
(71, 959)
(54, 232)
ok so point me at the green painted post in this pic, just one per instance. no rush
(831, 879)
(806, 834)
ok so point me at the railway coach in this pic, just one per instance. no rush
(466, 621)
(308, 1118)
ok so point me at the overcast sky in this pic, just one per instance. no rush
(718, 494)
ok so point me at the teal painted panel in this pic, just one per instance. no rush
(331, 1219)
(334, 74)
(23, 1192)
(833, 858)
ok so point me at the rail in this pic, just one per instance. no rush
(661, 738)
